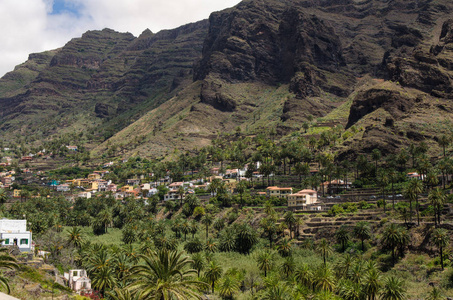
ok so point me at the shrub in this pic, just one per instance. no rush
(335, 210)
(193, 246)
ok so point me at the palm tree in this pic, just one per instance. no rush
(383, 181)
(181, 193)
(342, 235)
(105, 218)
(102, 279)
(362, 231)
(212, 274)
(437, 199)
(391, 237)
(207, 221)
(440, 238)
(393, 177)
(412, 190)
(228, 287)
(75, 237)
(8, 262)
(371, 283)
(165, 275)
(265, 260)
(288, 266)
(304, 275)
(444, 141)
(198, 262)
(241, 188)
(269, 227)
(323, 246)
(290, 220)
(376, 155)
(277, 292)
(393, 289)
(325, 279)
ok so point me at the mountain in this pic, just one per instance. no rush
(380, 68)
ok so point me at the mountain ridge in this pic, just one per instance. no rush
(375, 65)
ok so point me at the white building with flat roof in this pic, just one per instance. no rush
(14, 232)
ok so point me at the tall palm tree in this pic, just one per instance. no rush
(213, 273)
(265, 260)
(122, 294)
(412, 190)
(393, 289)
(362, 231)
(8, 262)
(207, 221)
(437, 199)
(393, 177)
(165, 275)
(323, 246)
(383, 180)
(440, 238)
(391, 237)
(342, 236)
(75, 237)
(444, 141)
(290, 220)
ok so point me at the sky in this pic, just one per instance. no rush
(31, 26)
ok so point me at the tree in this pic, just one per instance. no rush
(391, 237)
(265, 260)
(444, 141)
(324, 248)
(393, 289)
(362, 231)
(383, 181)
(228, 287)
(376, 155)
(75, 237)
(198, 262)
(207, 221)
(435, 294)
(304, 275)
(437, 199)
(241, 188)
(103, 279)
(372, 282)
(440, 238)
(8, 262)
(165, 275)
(412, 190)
(288, 266)
(269, 228)
(325, 279)
(245, 238)
(212, 274)
(290, 221)
(342, 236)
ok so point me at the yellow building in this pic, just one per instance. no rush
(279, 192)
(16, 193)
(94, 176)
(127, 188)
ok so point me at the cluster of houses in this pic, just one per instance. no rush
(7, 179)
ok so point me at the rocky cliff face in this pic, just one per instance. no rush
(287, 60)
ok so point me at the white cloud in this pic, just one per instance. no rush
(27, 27)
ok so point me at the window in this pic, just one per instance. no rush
(6, 241)
(24, 241)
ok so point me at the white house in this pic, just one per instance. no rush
(63, 188)
(77, 280)
(14, 232)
